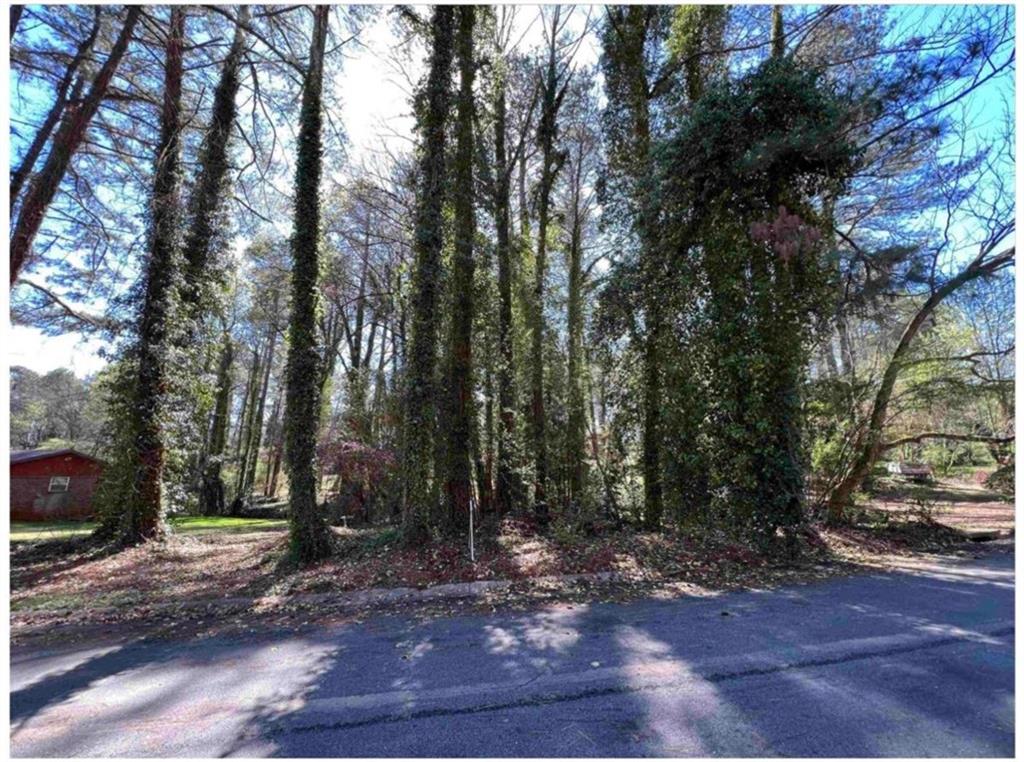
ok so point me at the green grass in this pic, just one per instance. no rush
(22, 531)
(26, 531)
(225, 524)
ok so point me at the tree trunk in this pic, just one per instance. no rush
(257, 424)
(68, 138)
(547, 133)
(16, 11)
(28, 161)
(778, 33)
(211, 496)
(145, 517)
(506, 489)
(205, 234)
(576, 435)
(869, 444)
(485, 478)
(420, 488)
(458, 484)
(245, 428)
(310, 536)
(274, 443)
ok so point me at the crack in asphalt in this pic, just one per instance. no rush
(558, 698)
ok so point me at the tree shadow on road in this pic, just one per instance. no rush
(516, 685)
(650, 677)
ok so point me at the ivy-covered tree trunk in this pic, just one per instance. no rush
(144, 515)
(505, 488)
(420, 488)
(309, 534)
(485, 467)
(461, 410)
(206, 225)
(625, 62)
(778, 33)
(66, 141)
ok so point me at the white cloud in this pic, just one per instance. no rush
(33, 349)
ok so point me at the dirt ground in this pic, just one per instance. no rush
(956, 504)
(71, 583)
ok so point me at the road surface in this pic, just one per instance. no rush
(913, 663)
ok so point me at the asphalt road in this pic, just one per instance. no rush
(914, 663)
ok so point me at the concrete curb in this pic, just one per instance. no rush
(349, 599)
(984, 535)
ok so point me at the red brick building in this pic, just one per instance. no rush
(48, 485)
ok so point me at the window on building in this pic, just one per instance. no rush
(59, 483)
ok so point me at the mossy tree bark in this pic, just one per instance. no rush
(144, 514)
(309, 534)
(503, 253)
(206, 227)
(420, 488)
(461, 410)
(625, 54)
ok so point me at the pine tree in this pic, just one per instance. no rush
(66, 141)
(310, 536)
(144, 509)
(205, 235)
(211, 493)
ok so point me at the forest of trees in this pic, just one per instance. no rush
(651, 266)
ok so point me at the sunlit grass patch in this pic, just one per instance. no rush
(30, 531)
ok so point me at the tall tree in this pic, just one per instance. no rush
(420, 424)
(870, 443)
(206, 225)
(211, 492)
(583, 154)
(144, 510)
(461, 412)
(555, 80)
(505, 163)
(628, 37)
(205, 239)
(69, 136)
(310, 536)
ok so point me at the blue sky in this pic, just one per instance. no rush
(376, 115)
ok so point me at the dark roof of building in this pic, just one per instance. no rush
(24, 456)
